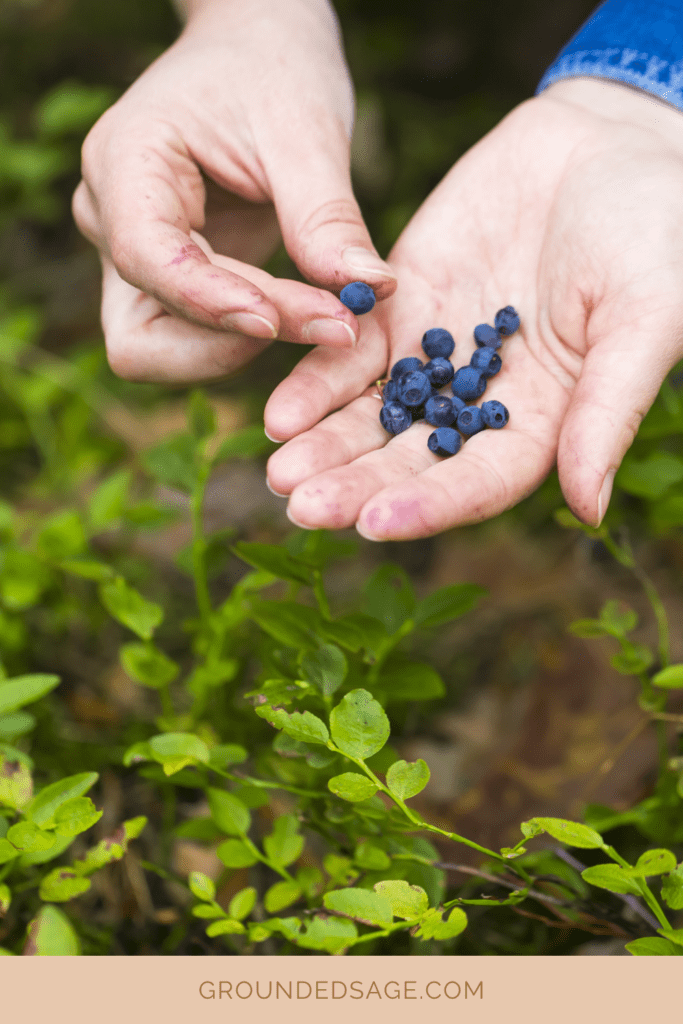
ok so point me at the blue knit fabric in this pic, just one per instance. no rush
(635, 41)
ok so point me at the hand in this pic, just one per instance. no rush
(571, 210)
(239, 131)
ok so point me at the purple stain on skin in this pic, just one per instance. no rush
(191, 251)
(402, 515)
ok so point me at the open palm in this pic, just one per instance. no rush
(573, 216)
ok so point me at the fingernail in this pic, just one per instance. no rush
(605, 494)
(275, 440)
(302, 526)
(272, 490)
(366, 261)
(367, 536)
(249, 323)
(329, 332)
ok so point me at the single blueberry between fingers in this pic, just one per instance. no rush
(439, 370)
(390, 392)
(395, 418)
(438, 342)
(507, 320)
(444, 441)
(406, 365)
(495, 414)
(414, 389)
(487, 361)
(468, 383)
(439, 411)
(358, 297)
(470, 420)
(484, 334)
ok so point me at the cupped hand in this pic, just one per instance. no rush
(235, 137)
(571, 210)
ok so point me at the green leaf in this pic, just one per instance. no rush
(242, 903)
(371, 857)
(407, 901)
(674, 935)
(631, 662)
(359, 725)
(326, 668)
(50, 934)
(23, 580)
(107, 503)
(16, 784)
(229, 813)
(291, 624)
(361, 904)
(247, 443)
(146, 664)
(176, 750)
(234, 854)
(16, 724)
(7, 851)
(87, 569)
(32, 857)
(281, 895)
(62, 536)
(352, 787)
(207, 911)
(71, 108)
(433, 926)
(611, 877)
(448, 603)
(110, 849)
(651, 946)
(274, 560)
(389, 596)
(43, 808)
(589, 629)
(355, 631)
(406, 779)
(330, 934)
(225, 927)
(201, 886)
(173, 462)
(130, 608)
(76, 816)
(284, 845)
(655, 862)
(405, 680)
(225, 754)
(22, 690)
(27, 836)
(5, 899)
(650, 477)
(306, 728)
(570, 833)
(61, 885)
(618, 617)
(201, 418)
(672, 889)
(670, 678)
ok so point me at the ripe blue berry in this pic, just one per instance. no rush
(439, 370)
(470, 420)
(484, 334)
(458, 404)
(390, 392)
(468, 383)
(358, 297)
(487, 361)
(506, 320)
(438, 342)
(414, 389)
(444, 441)
(395, 418)
(495, 414)
(406, 365)
(439, 411)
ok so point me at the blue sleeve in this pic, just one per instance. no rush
(639, 42)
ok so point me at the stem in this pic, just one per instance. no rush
(652, 903)
(199, 544)
(624, 555)
(320, 595)
(265, 784)
(387, 647)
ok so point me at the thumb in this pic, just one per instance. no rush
(321, 223)
(619, 381)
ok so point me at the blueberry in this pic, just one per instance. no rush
(458, 403)
(495, 414)
(470, 420)
(487, 361)
(484, 334)
(444, 441)
(414, 389)
(439, 370)
(438, 342)
(507, 320)
(406, 365)
(439, 411)
(358, 297)
(468, 383)
(390, 392)
(394, 417)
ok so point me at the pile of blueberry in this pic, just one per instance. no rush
(413, 390)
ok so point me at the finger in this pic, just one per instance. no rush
(321, 223)
(153, 198)
(619, 382)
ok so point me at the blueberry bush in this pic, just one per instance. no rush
(262, 718)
